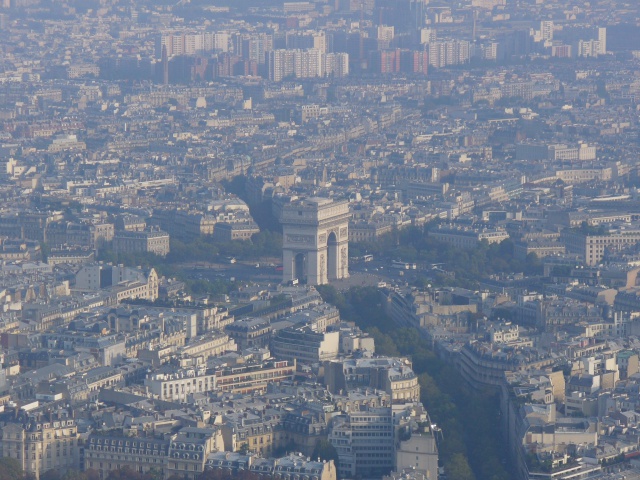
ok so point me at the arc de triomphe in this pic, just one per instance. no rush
(315, 244)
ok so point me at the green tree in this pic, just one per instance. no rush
(10, 469)
(236, 185)
(52, 474)
(156, 474)
(175, 476)
(127, 473)
(71, 474)
(458, 467)
(325, 451)
(45, 251)
(471, 440)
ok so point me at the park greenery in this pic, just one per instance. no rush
(202, 250)
(471, 447)
(10, 469)
(586, 229)
(457, 266)
(324, 450)
(205, 249)
(127, 473)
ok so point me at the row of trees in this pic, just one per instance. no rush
(262, 244)
(471, 447)
(126, 473)
(10, 469)
(265, 244)
(467, 265)
(203, 249)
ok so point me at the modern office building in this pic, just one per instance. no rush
(364, 441)
(305, 345)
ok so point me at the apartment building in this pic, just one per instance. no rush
(182, 454)
(555, 152)
(391, 375)
(305, 345)
(467, 237)
(230, 231)
(175, 385)
(257, 432)
(592, 246)
(209, 345)
(246, 379)
(283, 468)
(420, 452)
(148, 241)
(188, 451)
(250, 332)
(364, 441)
(79, 234)
(41, 442)
(115, 450)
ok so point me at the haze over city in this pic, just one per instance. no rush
(319, 240)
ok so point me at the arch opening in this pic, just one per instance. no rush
(300, 267)
(332, 256)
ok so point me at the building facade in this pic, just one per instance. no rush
(305, 345)
(364, 442)
(177, 386)
(40, 443)
(156, 242)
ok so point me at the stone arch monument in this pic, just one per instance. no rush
(315, 243)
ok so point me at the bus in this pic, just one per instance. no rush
(400, 265)
(403, 265)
